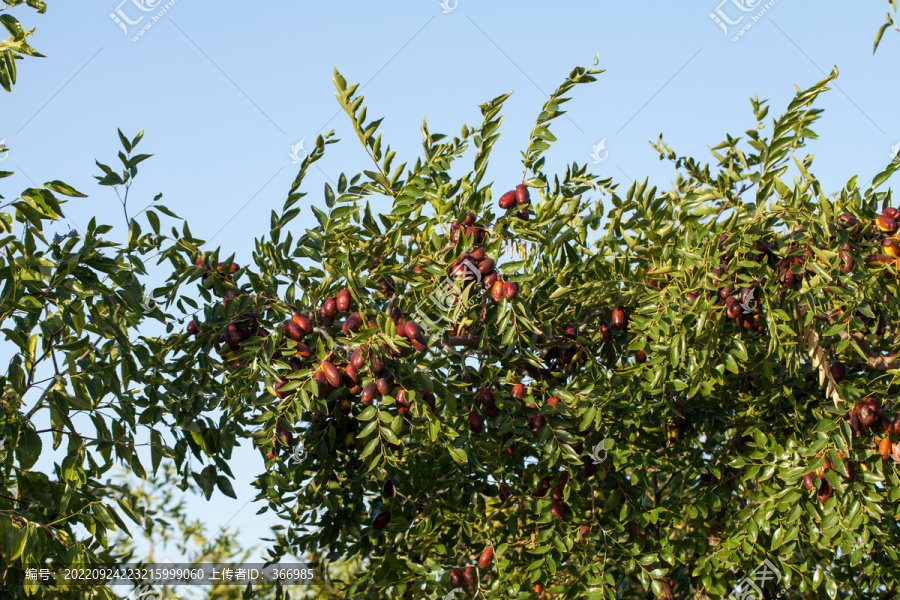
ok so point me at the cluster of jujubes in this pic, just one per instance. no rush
(475, 265)
(577, 345)
(512, 200)
(868, 416)
(468, 575)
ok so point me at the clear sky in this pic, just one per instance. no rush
(224, 91)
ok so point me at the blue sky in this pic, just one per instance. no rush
(224, 93)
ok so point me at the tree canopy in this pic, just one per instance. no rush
(553, 387)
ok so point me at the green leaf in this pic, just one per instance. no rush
(63, 188)
(224, 485)
(28, 449)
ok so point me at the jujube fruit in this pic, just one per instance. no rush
(456, 578)
(330, 307)
(331, 374)
(381, 520)
(508, 200)
(475, 422)
(343, 300)
(487, 558)
(522, 196)
(368, 393)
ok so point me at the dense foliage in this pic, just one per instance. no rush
(551, 386)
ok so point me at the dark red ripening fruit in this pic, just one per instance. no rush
(850, 467)
(542, 487)
(192, 328)
(619, 319)
(331, 374)
(323, 388)
(537, 423)
(324, 319)
(303, 323)
(605, 332)
(343, 300)
(497, 291)
(849, 222)
(478, 254)
(522, 196)
(837, 371)
(733, 307)
(402, 403)
(847, 262)
(411, 330)
(419, 344)
(469, 576)
(381, 520)
(824, 492)
(233, 336)
(487, 558)
(277, 387)
(302, 350)
(809, 481)
(891, 213)
(456, 578)
(557, 508)
(869, 410)
(376, 365)
(895, 424)
(726, 291)
(884, 424)
(552, 400)
(351, 375)
(523, 214)
(852, 419)
(387, 490)
(400, 327)
(345, 406)
(384, 382)
(509, 290)
(469, 219)
(330, 307)
(490, 279)
(352, 323)
(518, 392)
(428, 398)
(583, 532)
(295, 364)
(556, 492)
(358, 359)
(475, 423)
(508, 200)
(486, 266)
(486, 396)
(640, 356)
(368, 393)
